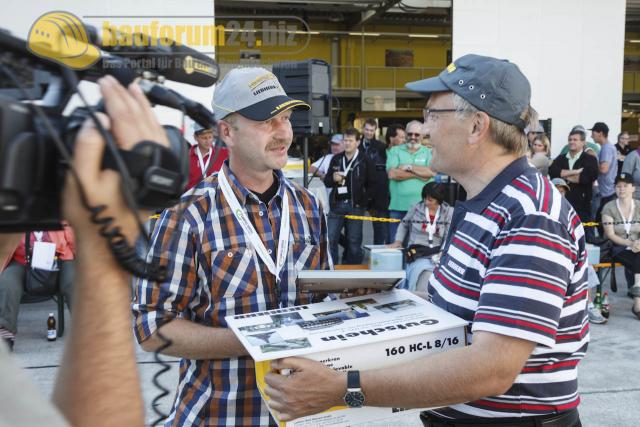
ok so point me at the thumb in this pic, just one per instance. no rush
(89, 148)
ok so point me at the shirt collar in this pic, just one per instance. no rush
(194, 148)
(489, 193)
(242, 193)
(568, 155)
(405, 147)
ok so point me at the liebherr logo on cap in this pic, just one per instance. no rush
(451, 67)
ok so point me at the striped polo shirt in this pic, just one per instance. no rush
(515, 264)
(213, 272)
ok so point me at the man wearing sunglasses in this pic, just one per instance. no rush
(408, 169)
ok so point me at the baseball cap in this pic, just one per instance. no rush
(254, 93)
(624, 177)
(495, 86)
(578, 128)
(600, 127)
(559, 182)
(336, 138)
(537, 129)
(198, 128)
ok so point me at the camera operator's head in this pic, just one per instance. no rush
(253, 113)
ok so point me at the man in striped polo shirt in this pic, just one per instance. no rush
(514, 266)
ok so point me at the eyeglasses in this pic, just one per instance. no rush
(426, 112)
(409, 134)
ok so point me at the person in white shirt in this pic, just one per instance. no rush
(320, 166)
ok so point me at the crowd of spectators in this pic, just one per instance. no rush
(398, 183)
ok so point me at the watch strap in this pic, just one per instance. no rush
(353, 379)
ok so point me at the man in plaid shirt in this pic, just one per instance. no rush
(237, 248)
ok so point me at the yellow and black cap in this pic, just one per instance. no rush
(254, 93)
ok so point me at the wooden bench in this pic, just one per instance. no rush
(351, 267)
(604, 268)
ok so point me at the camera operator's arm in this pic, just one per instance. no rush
(98, 380)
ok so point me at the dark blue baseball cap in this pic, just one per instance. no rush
(495, 86)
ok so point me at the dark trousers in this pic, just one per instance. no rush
(566, 419)
(630, 260)
(12, 287)
(353, 232)
(589, 232)
(380, 228)
(603, 201)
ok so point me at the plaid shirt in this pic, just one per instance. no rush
(214, 272)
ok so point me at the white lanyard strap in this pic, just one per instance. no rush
(626, 222)
(345, 168)
(203, 165)
(38, 235)
(251, 233)
(431, 226)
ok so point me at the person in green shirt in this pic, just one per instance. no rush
(408, 169)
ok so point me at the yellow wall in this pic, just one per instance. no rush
(427, 53)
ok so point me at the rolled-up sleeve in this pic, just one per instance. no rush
(173, 246)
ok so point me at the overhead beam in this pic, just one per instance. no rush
(370, 15)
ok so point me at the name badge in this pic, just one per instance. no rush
(343, 190)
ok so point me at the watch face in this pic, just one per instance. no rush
(354, 399)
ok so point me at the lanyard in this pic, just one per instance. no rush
(251, 233)
(626, 222)
(38, 235)
(345, 168)
(203, 165)
(431, 226)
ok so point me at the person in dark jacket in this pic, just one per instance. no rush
(378, 203)
(351, 176)
(580, 170)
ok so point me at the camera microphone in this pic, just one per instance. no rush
(175, 62)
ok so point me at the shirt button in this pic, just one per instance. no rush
(260, 213)
(269, 251)
(229, 254)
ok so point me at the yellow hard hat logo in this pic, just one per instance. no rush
(61, 37)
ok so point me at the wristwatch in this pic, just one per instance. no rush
(354, 397)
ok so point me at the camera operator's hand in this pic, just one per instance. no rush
(100, 357)
(131, 120)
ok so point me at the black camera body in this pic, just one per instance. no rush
(31, 176)
(31, 168)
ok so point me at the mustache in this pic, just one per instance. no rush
(277, 144)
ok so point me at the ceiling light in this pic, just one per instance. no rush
(365, 34)
(424, 36)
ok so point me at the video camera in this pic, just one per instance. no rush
(36, 139)
(32, 166)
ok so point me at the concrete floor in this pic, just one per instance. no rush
(608, 376)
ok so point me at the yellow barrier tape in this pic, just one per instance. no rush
(379, 219)
(371, 218)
